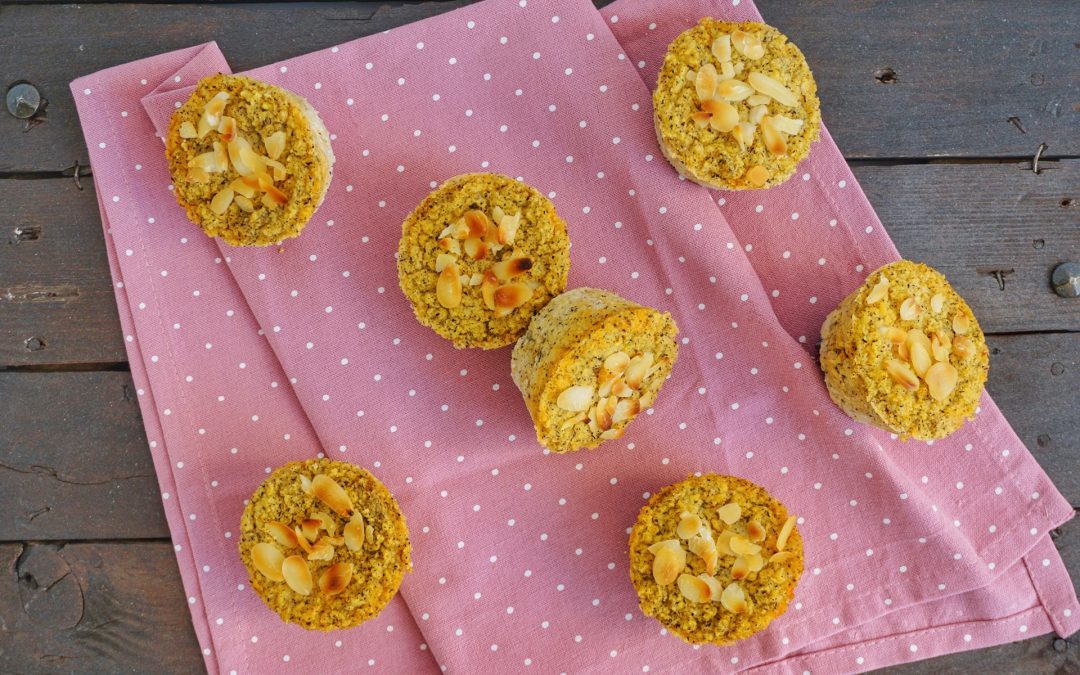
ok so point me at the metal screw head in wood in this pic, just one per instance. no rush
(23, 100)
(1066, 280)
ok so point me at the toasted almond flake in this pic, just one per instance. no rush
(511, 296)
(301, 539)
(961, 324)
(268, 202)
(275, 144)
(216, 106)
(755, 531)
(620, 388)
(626, 410)
(476, 279)
(733, 599)
(755, 561)
(220, 203)
(573, 421)
(705, 82)
(694, 589)
(508, 227)
(267, 559)
(920, 359)
(724, 116)
(667, 543)
(334, 541)
(785, 533)
(787, 125)
(448, 286)
(727, 71)
(770, 87)
(488, 287)
(617, 362)
(705, 548)
(689, 525)
(637, 369)
(963, 346)
(297, 575)
(774, 140)
(214, 161)
(740, 545)
(322, 550)
(354, 533)
(310, 529)
(475, 248)
(611, 434)
(879, 292)
(244, 187)
(917, 337)
(721, 48)
(197, 175)
(227, 128)
(336, 578)
(236, 157)
(757, 175)
(740, 569)
(781, 557)
(326, 522)
(903, 353)
(939, 347)
(278, 167)
(910, 309)
(187, 130)
(729, 513)
(716, 589)
(902, 374)
(282, 534)
(937, 302)
(250, 158)
(575, 399)
(601, 416)
(941, 380)
(274, 195)
(477, 222)
(758, 99)
(734, 90)
(701, 118)
(744, 136)
(757, 114)
(723, 542)
(244, 203)
(305, 485)
(668, 563)
(691, 76)
(895, 336)
(204, 126)
(444, 260)
(450, 245)
(747, 44)
(739, 67)
(327, 490)
(506, 270)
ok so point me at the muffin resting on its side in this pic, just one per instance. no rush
(324, 543)
(735, 105)
(479, 256)
(589, 363)
(905, 353)
(715, 558)
(250, 162)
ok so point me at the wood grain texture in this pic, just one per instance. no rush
(961, 68)
(94, 608)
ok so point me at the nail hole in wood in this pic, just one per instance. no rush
(885, 76)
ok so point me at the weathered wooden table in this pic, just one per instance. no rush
(941, 108)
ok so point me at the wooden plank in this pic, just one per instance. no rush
(74, 463)
(75, 477)
(94, 607)
(961, 69)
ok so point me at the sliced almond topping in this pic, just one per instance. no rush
(716, 589)
(334, 541)
(756, 531)
(963, 346)
(879, 292)
(758, 99)
(785, 532)
(755, 561)
(723, 542)
(475, 248)
(573, 421)
(902, 352)
(301, 539)
(701, 118)
(617, 362)
(187, 130)
(689, 525)
(333, 495)
(477, 222)
(510, 297)
(336, 578)
(937, 302)
(322, 550)
(781, 557)
(916, 336)
(450, 245)
(727, 71)
(305, 485)
(734, 90)
(740, 569)
(744, 136)
(939, 347)
(757, 175)
(326, 522)
(786, 125)
(278, 167)
(902, 374)
(770, 87)
(747, 44)
(729, 513)
(220, 203)
(961, 324)
(920, 359)
(488, 287)
(667, 564)
(216, 106)
(694, 589)
(245, 204)
(774, 140)
(637, 369)
(626, 409)
(310, 528)
(227, 128)
(275, 144)
(667, 543)
(245, 187)
(575, 399)
(724, 116)
(204, 126)
(601, 416)
(941, 380)
(282, 534)
(273, 195)
(448, 287)
(691, 76)
(267, 559)
(733, 599)
(757, 113)
(250, 158)
(910, 309)
(268, 202)
(197, 175)
(721, 48)
(705, 549)
(508, 227)
(506, 270)
(705, 82)
(740, 545)
(297, 574)
(895, 336)
(621, 389)
(354, 533)
(214, 161)
(235, 147)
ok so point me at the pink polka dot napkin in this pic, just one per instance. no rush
(246, 359)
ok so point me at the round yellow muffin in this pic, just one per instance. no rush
(735, 105)
(324, 543)
(479, 256)
(250, 162)
(905, 353)
(589, 363)
(715, 558)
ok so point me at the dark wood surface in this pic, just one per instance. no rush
(938, 105)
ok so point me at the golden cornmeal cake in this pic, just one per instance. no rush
(589, 362)
(250, 162)
(905, 353)
(715, 558)
(735, 105)
(324, 543)
(479, 256)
